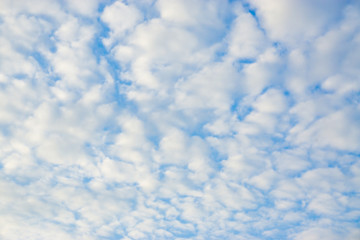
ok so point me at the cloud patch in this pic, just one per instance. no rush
(179, 119)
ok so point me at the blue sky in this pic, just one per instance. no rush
(180, 119)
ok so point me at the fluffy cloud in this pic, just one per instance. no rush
(297, 21)
(179, 119)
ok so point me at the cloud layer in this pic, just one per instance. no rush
(180, 119)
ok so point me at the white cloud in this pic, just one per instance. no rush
(197, 13)
(288, 190)
(338, 130)
(246, 40)
(37, 7)
(272, 101)
(264, 181)
(211, 88)
(291, 161)
(88, 9)
(317, 234)
(120, 18)
(326, 179)
(325, 204)
(259, 74)
(179, 119)
(297, 21)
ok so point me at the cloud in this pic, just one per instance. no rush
(120, 18)
(317, 233)
(334, 131)
(179, 119)
(297, 21)
(246, 40)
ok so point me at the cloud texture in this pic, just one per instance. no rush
(179, 119)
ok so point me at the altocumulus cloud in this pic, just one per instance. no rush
(180, 119)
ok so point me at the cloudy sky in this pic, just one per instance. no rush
(179, 119)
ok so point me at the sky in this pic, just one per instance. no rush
(180, 119)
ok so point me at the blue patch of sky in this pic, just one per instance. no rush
(165, 200)
(356, 222)
(339, 161)
(198, 131)
(182, 233)
(353, 98)
(148, 10)
(280, 47)
(100, 51)
(208, 34)
(355, 154)
(89, 148)
(53, 78)
(51, 40)
(86, 180)
(41, 60)
(317, 89)
(114, 236)
(253, 13)
(121, 99)
(290, 99)
(351, 195)
(98, 48)
(119, 94)
(20, 180)
(52, 47)
(20, 76)
(216, 158)
(103, 4)
(155, 140)
(230, 16)
(279, 141)
(262, 199)
(77, 215)
(242, 110)
(195, 123)
(234, 105)
(242, 62)
(220, 35)
(162, 169)
(312, 216)
(220, 54)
